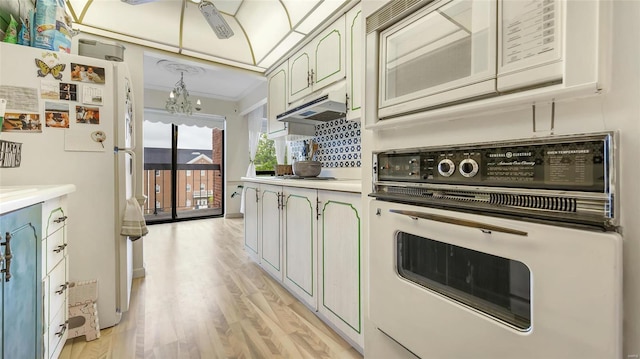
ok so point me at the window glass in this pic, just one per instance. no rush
(496, 286)
(265, 154)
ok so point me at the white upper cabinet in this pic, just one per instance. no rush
(277, 104)
(276, 100)
(355, 68)
(319, 63)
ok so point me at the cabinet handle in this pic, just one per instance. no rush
(63, 328)
(312, 73)
(63, 287)
(60, 248)
(7, 257)
(318, 214)
(60, 219)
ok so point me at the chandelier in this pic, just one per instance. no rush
(179, 101)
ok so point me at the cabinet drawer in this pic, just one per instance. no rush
(57, 332)
(53, 216)
(57, 290)
(56, 249)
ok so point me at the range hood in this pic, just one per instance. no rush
(328, 105)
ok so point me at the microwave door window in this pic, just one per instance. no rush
(433, 51)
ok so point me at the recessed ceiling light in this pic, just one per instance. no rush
(196, 1)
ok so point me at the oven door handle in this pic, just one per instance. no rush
(486, 228)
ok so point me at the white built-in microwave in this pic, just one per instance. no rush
(426, 54)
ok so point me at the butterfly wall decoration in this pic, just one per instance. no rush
(55, 70)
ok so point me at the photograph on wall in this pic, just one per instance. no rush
(86, 114)
(87, 73)
(50, 90)
(23, 122)
(68, 92)
(56, 115)
(91, 95)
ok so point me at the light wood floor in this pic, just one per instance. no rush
(203, 297)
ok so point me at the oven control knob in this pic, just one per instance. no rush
(446, 167)
(468, 167)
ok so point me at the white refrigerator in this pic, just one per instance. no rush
(74, 118)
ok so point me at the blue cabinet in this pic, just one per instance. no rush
(21, 283)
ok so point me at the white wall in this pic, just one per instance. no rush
(617, 110)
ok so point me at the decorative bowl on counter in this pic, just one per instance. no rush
(307, 168)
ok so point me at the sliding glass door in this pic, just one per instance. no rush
(182, 171)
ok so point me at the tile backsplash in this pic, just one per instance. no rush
(339, 144)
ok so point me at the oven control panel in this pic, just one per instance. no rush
(564, 163)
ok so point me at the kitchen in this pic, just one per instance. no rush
(530, 114)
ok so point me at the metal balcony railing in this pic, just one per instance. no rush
(198, 191)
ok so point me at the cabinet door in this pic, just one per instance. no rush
(355, 65)
(276, 101)
(300, 65)
(22, 329)
(251, 192)
(340, 257)
(329, 55)
(271, 247)
(300, 232)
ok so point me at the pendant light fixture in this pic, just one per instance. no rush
(179, 102)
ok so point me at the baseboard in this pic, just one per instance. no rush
(234, 215)
(139, 272)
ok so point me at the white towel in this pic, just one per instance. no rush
(133, 223)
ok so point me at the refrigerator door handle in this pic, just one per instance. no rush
(116, 150)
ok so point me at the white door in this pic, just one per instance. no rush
(300, 247)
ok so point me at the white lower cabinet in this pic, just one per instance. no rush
(55, 273)
(251, 225)
(340, 250)
(270, 230)
(310, 241)
(300, 253)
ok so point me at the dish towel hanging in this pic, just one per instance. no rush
(133, 223)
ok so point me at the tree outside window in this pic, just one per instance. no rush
(265, 154)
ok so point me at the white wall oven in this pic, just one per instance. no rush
(426, 54)
(498, 250)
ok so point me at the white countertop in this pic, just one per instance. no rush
(16, 197)
(342, 185)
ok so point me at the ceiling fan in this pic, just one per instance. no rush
(210, 13)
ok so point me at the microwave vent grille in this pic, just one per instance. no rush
(391, 13)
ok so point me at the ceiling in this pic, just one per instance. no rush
(264, 32)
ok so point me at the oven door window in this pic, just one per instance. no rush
(496, 286)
